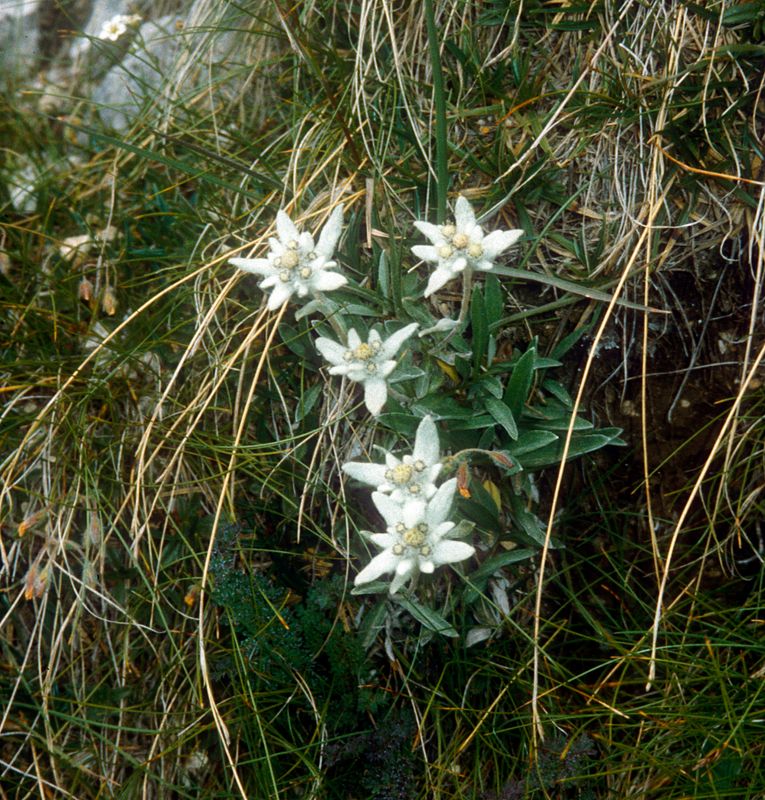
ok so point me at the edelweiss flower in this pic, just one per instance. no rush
(417, 538)
(294, 264)
(409, 478)
(368, 362)
(117, 26)
(459, 245)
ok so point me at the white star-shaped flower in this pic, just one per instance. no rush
(117, 26)
(368, 362)
(417, 538)
(460, 244)
(295, 264)
(408, 478)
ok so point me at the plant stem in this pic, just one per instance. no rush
(442, 171)
(467, 287)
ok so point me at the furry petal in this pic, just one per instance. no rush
(379, 565)
(439, 505)
(400, 579)
(438, 279)
(433, 232)
(392, 344)
(498, 241)
(450, 551)
(382, 540)
(375, 395)
(280, 294)
(426, 445)
(285, 228)
(325, 281)
(463, 215)
(330, 234)
(371, 474)
(405, 566)
(392, 512)
(332, 351)
(257, 266)
(426, 252)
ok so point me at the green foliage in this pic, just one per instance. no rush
(561, 763)
(568, 121)
(379, 765)
(277, 640)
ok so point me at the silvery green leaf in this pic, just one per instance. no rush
(376, 587)
(427, 617)
(406, 374)
(477, 635)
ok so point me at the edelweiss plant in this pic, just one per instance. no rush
(460, 246)
(408, 478)
(489, 403)
(295, 264)
(368, 363)
(417, 538)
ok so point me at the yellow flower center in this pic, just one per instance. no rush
(305, 273)
(448, 231)
(290, 259)
(363, 352)
(475, 251)
(415, 537)
(400, 475)
(445, 250)
(460, 241)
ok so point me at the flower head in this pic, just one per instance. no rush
(368, 362)
(295, 264)
(409, 478)
(460, 244)
(417, 538)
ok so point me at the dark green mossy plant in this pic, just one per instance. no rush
(279, 637)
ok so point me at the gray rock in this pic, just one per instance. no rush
(124, 90)
(126, 59)
(19, 37)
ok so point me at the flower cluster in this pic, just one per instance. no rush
(460, 245)
(418, 536)
(297, 265)
(416, 539)
(368, 363)
(409, 478)
(294, 264)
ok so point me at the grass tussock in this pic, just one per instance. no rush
(176, 617)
